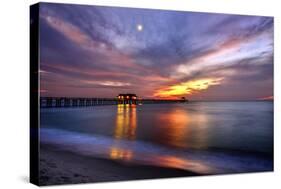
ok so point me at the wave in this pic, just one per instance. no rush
(146, 153)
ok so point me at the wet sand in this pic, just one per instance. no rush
(62, 167)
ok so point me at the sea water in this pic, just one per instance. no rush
(204, 137)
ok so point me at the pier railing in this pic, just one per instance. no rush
(52, 102)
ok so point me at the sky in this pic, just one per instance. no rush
(94, 51)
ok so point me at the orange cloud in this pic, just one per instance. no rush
(187, 88)
(266, 98)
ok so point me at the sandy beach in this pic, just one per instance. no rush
(62, 167)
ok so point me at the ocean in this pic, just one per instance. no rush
(203, 137)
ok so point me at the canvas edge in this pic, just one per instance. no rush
(34, 94)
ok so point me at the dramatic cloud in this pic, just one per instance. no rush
(187, 88)
(94, 51)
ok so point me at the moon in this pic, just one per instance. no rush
(139, 27)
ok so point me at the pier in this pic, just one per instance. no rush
(56, 102)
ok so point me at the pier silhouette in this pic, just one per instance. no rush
(56, 102)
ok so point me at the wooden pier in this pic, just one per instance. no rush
(56, 102)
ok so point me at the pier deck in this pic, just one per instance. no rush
(56, 102)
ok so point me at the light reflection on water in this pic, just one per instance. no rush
(126, 122)
(180, 163)
(165, 135)
(125, 128)
(175, 127)
(120, 154)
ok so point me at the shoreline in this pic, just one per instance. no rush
(63, 167)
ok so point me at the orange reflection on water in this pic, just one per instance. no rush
(174, 129)
(120, 154)
(126, 122)
(190, 165)
(125, 128)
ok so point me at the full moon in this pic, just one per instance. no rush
(139, 27)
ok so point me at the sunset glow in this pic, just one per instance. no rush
(187, 88)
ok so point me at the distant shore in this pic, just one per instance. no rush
(62, 167)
